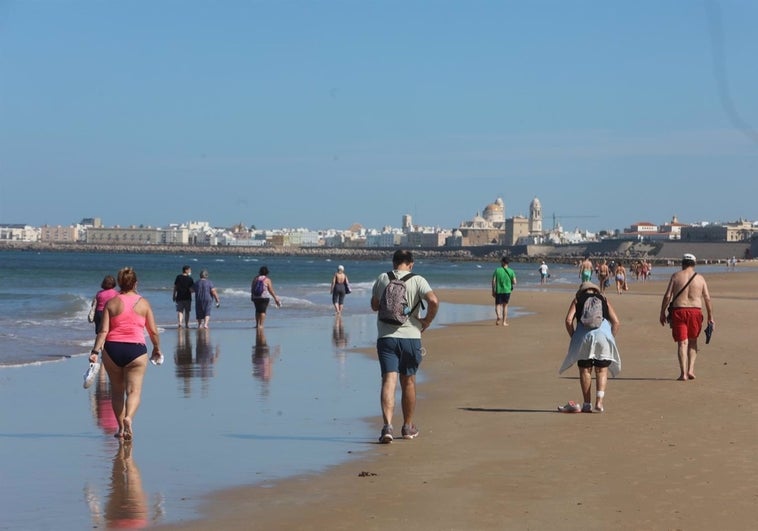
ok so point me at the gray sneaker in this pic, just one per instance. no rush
(409, 432)
(386, 436)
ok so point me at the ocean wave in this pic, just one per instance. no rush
(294, 302)
(235, 292)
(35, 363)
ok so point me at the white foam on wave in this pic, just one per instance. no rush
(235, 292)
(297, 302)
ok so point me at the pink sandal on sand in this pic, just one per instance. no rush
(570, 407)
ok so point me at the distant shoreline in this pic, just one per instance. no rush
(618, 250)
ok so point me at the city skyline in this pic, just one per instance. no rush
(322, 115)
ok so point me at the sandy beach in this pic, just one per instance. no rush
(494, 454)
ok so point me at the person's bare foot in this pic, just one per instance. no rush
(128, 429)
(691, 376)
(682, 378)
(118, 435)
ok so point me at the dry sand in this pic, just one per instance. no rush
(494, 454)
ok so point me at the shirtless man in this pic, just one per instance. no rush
(603, 272)
(585, 269)
(687, 314)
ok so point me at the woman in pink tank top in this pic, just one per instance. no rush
(122, 342)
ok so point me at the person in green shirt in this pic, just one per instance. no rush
(503, 281)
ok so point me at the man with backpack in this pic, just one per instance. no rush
(398, 296)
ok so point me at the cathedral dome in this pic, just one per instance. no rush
(495, 212)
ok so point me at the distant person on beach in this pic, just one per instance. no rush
(122, 342)
(593, 344)
(620, 276)
(182, 296)
(398, 297)
(686, 293)
(585, 269)
(603, 275)
(503, 282)
(339, 288)
(106, 293)
(261, 293)
(205, 295)
(543, 273)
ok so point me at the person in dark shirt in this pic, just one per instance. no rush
(183, 286)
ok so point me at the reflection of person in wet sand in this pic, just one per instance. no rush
(339, 337)
(102, 409)
(261, 356)
(127, 504)
(205, 355)
(183, 358)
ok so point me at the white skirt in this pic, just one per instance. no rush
(593, 344)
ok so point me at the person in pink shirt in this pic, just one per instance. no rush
(106, 293)
(122, 342)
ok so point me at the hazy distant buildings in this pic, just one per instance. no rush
(71, 234)
(485, 229)
(516, 228)
(739, 231)
(535, 217)
(18, 233)
(139, 236)
(493, 228)
(489, 228)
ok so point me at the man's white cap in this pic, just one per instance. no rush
(688, 256)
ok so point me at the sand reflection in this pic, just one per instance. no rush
(100, 404)
(263, 358)
(340, 340)
(201, 365)
(127, 505)
(339, 336)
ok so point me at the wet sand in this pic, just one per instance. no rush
(494, 454)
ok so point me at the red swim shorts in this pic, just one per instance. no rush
(686, 323)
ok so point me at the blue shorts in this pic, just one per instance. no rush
(123, 354)
(502, 298)
(399, 355)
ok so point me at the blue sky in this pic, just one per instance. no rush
(323, 114)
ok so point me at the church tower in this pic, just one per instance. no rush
(535, 217)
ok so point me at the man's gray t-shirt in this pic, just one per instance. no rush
(416, 289)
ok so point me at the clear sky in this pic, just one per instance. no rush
(322, 114)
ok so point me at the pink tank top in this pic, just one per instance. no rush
(128, 326)
(103, 296)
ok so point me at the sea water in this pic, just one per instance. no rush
(45, 296)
